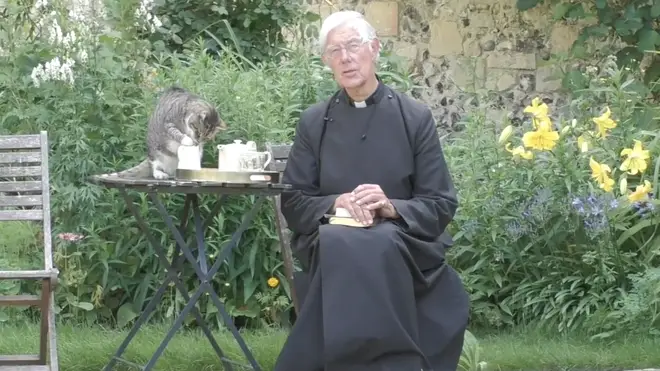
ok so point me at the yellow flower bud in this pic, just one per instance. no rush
(565, 129)
(583, 144)
(506, 133)
(623, 185)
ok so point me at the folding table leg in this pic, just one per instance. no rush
(172, 276)
(206, 278)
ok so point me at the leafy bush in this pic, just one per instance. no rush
(93, 94)
(557, 212)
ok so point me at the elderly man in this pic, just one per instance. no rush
(381, 295)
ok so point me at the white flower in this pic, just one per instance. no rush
(144, 12)
(53, 70)
(39, 4)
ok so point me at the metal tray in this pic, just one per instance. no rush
(215, 175)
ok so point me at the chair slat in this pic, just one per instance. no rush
(20, 300)
(27, 275)
(278, 166)
(20, 141)
(8, 215)
(280, 151)
(27, 200)
(19, 360)
(19, 171)
(19, 157)
(28, 186)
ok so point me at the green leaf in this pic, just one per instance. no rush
(576, 11)
(84, 305)
(312, 17)
(523, 5)
(125, 315)
(220, 10)
(655, 9)
(560, 10)
(652, 73)
(627, 26)
(601, 4)
(629, 56)
(647, 39)
(177, 39)
(249, 287)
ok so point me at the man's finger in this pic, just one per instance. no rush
(362, 197)
(362, 187)
(376, 205)
(370, 199)
(364, 193)
(354, 211)
(365, 217)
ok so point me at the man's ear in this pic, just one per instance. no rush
(374, 45)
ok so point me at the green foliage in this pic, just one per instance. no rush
(538, 241)
(251, 28)
(96, 124)
(634, 22)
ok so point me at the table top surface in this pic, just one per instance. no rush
(188, 186)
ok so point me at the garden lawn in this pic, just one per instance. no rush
(88, 349)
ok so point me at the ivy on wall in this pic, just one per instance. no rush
(635, 22)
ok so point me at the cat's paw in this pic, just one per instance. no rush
(160, 175)
(187, 141)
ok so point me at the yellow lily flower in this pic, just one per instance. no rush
(540, 139)
(583, 144)
(519, 151)
(600, 173)
(542, 123)
(636, 159)
(641, 192)
(538, 109)
(506, 133)
(604, 122)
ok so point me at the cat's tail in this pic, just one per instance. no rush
(139, 171)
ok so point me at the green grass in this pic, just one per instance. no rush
(83, 349)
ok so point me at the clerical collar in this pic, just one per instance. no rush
(373, 98)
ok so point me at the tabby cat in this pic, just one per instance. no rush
(180, 118)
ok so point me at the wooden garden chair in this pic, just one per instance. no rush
(24, 196)
(297, 280)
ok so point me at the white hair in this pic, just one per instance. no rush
(350, 18)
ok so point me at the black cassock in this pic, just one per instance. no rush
(380, 298)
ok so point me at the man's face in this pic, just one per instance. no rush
(350, 59)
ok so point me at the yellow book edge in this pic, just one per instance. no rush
(349, 222)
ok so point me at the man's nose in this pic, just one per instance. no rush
(344, 56)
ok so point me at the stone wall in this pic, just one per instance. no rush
(458, 47)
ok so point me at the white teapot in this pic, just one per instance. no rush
(229, 155)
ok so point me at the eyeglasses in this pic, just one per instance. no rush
(351, 47)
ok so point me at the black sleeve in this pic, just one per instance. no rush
(302, 206)
(434, 200)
